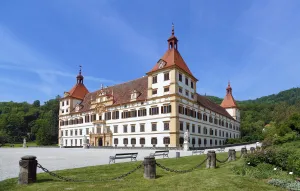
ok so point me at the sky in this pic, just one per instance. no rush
(253, 44)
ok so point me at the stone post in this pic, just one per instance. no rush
(232, 155)
(27, 172)
(149, 167)
(211, 159)
(243, 151)
(252, 149)
(24, 143)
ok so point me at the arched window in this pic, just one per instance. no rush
(220, 142)
(205, 142)
(125, 141)
(204, 117)
(153, 140)
(142, 141)
(116, 141)
(211, 131)
(220, 122)
(166, 140)
(230, 126)
(223, 123)
(216, 121)
(226, 134)
(210, 119)
(133, 141)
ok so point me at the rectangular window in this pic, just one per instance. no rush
(66, 132)
(180, 90)
(180, 77)
(115, 128)
(154, 79)
(166, 89)
(63, 111)
(166, 76)
(192, 84)
(166, 126)
(188, 126)
(115, 115)
(153, 125)
(199, 129)
(67, 102)
(192, 95)
(71, 133)
(61, 133)
(80, 140)
(132, 128)
(142, 127)
(187, 93)
(75, 142)
(186, 81)
(153, 111)
(142, 112)
(67, 110)
(181, 126)
(166, 109)
(80, 131)
(193, 128)
(154, 92)
(181, 109)
(125, 128)
(62, 103)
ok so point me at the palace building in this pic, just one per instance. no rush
(152, 111)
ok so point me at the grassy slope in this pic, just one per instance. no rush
(221, 178)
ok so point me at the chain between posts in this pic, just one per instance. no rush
(222, 161)
(181, 171)
(239, 156)
(76, 180)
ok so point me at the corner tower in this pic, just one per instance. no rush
(230, 104)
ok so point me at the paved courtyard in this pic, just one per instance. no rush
(58, 159)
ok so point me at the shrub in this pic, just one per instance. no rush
(290, 185)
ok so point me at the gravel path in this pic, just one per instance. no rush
(58, 159)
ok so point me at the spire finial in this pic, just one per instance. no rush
(173, 29)
(80, 69)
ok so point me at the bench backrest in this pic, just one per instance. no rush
(198, 151)
(124, 154)
(162, 151)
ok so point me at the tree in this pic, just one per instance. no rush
(43, 136)
(36, 103)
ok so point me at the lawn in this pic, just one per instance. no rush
(221, 178)
(29, 144)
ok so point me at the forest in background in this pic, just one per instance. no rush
(276, 117)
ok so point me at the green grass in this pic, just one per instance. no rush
(17, 145)
(221, 178)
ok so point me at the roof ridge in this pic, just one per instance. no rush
(118, 84)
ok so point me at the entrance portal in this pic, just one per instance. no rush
(100, 142)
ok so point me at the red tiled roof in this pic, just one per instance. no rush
(78, 91)
(205, 102)
(172, 57)
(228, 101)
(121, 93)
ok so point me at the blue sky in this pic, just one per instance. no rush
(254, 44)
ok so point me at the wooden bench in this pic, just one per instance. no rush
(161, 153)
(221, 149)
(197, 151)
(131, 156)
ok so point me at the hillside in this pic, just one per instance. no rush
(275, 109)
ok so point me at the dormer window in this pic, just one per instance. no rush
(134, 94)
(161, 63)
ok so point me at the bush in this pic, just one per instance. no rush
(290, 185)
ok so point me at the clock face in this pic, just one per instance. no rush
(161, 64)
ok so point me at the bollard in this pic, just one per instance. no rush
(243, 151)
(211, 159)
(208, 161)
(252, 149)
(232, 155)
(149, 167)
(27, 172)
